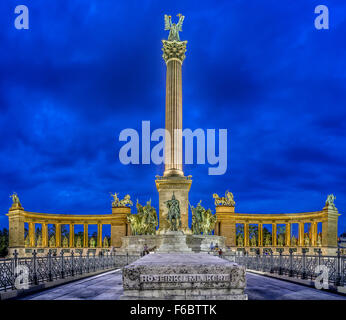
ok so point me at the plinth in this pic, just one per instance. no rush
(183, 276)
(180, 186)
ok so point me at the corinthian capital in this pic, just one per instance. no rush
(174, 50)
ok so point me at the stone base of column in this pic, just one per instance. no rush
(118, 226)
(180, 186)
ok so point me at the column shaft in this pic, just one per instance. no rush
(288, 234)
(44, 235)
(99, 235)
(274, 235)
(301, 234)
(32, 234)
(314, 233)
(58, 235)
(246, 234)
(260, 234)
(71, 242)
(85, 236)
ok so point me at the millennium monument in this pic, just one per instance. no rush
(166, 229)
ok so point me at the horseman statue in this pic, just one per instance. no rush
(203, 221)
(173, 215)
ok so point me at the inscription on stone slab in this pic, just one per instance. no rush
(184, 277)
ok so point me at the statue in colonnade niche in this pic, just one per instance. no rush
(39, 241)
(319, 239)
(65, 242)
(253, 242)
(306, 240)
(240, 240)
(27, 241)
(52, 241)
(294, 241)
(267, 240)
(281, 240)
(105, 242)
(79, 242)
(92, 242)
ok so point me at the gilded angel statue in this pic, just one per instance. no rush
(174, 28)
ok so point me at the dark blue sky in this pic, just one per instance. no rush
(85, 70)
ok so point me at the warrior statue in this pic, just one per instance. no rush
(145, 221)
(174, 28)
(227, 200)
(173, 215)
(203, 221)
(330, 201)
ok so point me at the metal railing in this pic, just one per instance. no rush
(51, 267)
(295, 265)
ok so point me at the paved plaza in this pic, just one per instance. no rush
(108, 286)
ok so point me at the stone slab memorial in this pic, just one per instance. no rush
(183, 276)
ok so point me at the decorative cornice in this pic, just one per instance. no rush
(174, 50)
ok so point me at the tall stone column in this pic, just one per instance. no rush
(173, 180)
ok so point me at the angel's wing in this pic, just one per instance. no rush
(167, 22)
(180, 23)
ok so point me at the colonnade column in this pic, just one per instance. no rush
(58, 235)
(71, 242)
(260, 234)
(301, 234)
(32, 234)
(314, 233)
(246, 234)
(85, 236)
(274, 234)
(288, 234)
(44, 235)
(99, 235)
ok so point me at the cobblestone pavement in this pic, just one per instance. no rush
(108, 286)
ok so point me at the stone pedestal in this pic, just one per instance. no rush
(196, 276)
(173, 241)
(16, 226)
(180, 186)
(119, 227)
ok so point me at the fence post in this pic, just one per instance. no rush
(291, 262)
(87, 259)
(271, 262)
(280, 260)
(338, 269)
(94, 258)
(62, 264)
(72, 263)
(81, 261)
(50, 276)
(34, 266)
(127, 257)
(15, 264)
(304, 263)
